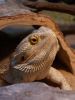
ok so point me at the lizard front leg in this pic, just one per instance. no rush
(57, 77)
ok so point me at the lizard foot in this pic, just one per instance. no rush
(57, 77)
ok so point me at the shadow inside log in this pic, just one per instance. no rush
(10, 38)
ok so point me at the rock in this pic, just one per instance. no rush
(34, 91)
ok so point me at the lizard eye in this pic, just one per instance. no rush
(33, 39)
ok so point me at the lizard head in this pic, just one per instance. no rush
(34, 56)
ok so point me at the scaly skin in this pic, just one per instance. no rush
(33, 58)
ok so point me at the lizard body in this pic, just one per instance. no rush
(33, 59)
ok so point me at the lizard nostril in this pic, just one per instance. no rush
(22, 58)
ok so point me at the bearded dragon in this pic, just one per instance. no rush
(33, 59)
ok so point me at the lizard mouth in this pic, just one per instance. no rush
(22, 62)
(18, 59)
(30, 63)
